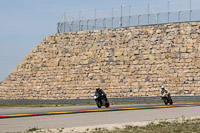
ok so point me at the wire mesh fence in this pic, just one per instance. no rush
(127, 21)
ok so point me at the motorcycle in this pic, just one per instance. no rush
(101, 101)
(166, 99)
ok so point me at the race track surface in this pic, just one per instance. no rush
(18, 119)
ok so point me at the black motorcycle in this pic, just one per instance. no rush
(101, 100)
(166, 99)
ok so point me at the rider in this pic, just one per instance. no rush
(164, 90)
(100, 92)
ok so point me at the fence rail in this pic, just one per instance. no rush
(127, 21)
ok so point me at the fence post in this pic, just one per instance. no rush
(179, 16)
(148, 14)
(71, 27)
(112, 22)
(168, 12)
(121, 16)
(79, 25)
(64, 26)
(139, 19)
(104, 23)
(190, 10)
(58, 27)
(95, 12)
(87, 23)
(112, 17)
(79, 20)
(158, 17)
(95, 26)
(129, 21)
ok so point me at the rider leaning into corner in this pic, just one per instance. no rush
(164, 90)
(100, 92)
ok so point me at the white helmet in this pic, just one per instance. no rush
(162, 87)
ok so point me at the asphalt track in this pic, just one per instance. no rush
(19, 119)
(27, 112)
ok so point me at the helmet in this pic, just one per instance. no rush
(162, 87)
(97, 89)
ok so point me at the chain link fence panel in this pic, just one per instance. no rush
(127, 21)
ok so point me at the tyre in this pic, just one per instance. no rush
(99, 104)
(165, 101)
(107, 105)
(170, 101)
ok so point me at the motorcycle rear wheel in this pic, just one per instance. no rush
(107, 105)
(170, 101)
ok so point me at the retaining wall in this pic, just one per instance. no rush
(124, 62)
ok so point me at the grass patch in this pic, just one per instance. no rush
(184, 126)
(176, 126)
(33, 129)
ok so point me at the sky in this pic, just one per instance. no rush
(24, 23)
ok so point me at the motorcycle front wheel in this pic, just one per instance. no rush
(99, 104)
(165, 101)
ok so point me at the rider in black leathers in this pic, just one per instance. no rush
(100, 93)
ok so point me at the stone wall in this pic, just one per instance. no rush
(125, 62)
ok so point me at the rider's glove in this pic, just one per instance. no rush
(95, 97)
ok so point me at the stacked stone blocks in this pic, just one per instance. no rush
(125, 62)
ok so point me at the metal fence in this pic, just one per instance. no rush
(127, 21)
